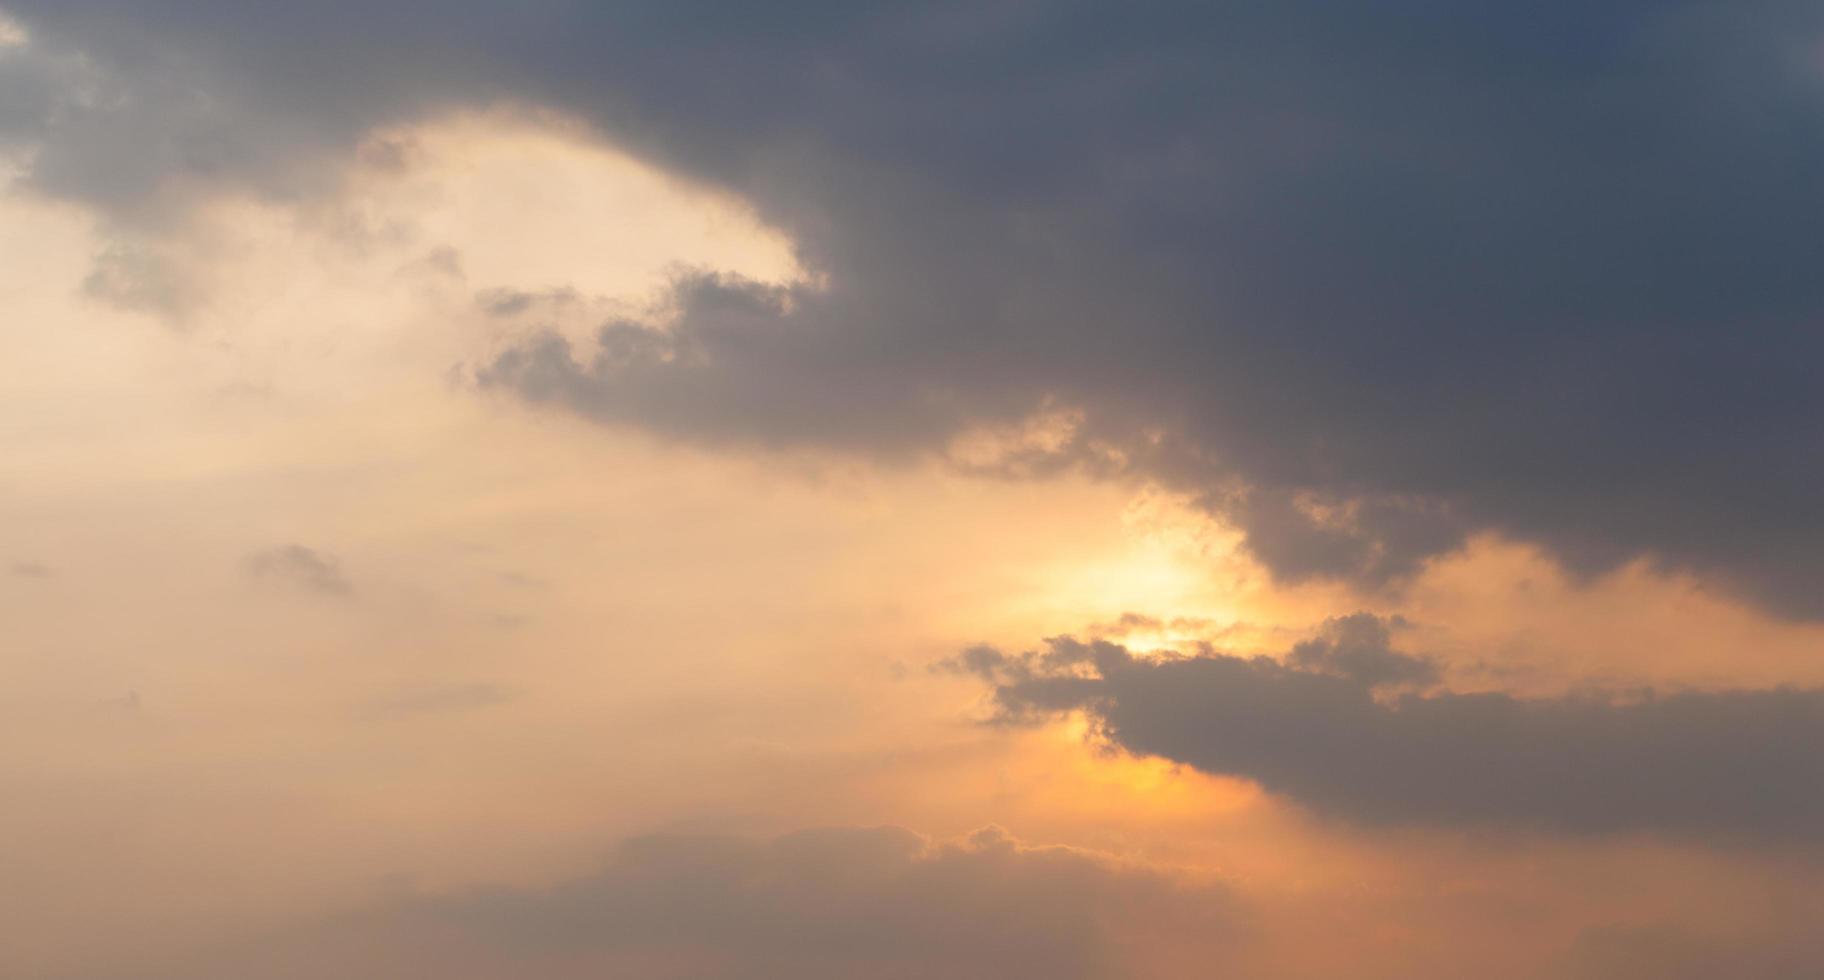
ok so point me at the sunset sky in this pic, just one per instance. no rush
(1002, 490)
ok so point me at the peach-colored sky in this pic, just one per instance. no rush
(318, 648)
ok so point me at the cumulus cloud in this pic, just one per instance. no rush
(1365, 280)
(1345, 726)
(837, 904)
(303, 567)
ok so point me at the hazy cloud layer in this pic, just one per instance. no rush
(1367, 278)
(838, 903)
(1667, 952)
(1339, 727)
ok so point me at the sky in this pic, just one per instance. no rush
(1023, 489)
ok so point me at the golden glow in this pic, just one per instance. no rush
(1106, 783)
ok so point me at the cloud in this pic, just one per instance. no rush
(838, 903)
(135, 279)
(1359, 648)
(1340, 727)
(513, 302)
(32, 569)
(1363, 280)
(303, 567)
(1666, 952)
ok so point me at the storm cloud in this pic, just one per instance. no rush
(1363, 280)
(1353, 729)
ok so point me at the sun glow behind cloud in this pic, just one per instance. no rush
(301, 616)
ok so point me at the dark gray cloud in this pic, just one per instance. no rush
(304, 567)
(1364, 278)
(1345, 727)
(836, 904)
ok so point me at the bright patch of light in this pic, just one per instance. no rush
(12, 33)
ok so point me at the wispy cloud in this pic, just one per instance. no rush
(305, 568)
